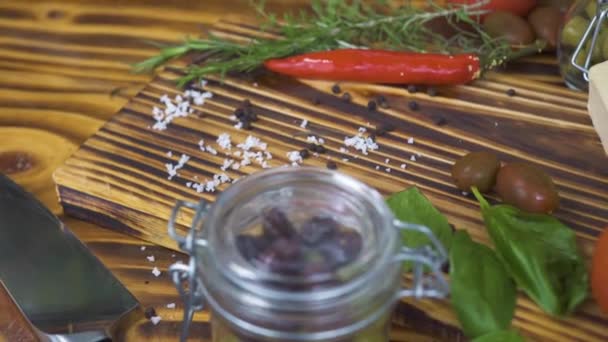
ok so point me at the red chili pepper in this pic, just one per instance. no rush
(517, 7)
(380, 66)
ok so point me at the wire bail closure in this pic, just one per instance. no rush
(182, 274)
(431, 257)
(593, 29)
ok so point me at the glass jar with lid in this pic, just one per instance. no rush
(583, 41)
(301, 254)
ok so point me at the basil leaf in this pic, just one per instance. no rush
(482, 292)
(541, 255)
(500, 336)
(412, 206)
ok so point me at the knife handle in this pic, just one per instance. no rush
(14, 326)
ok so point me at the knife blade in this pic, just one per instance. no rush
(60, 286)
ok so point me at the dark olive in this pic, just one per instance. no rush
(513, 28)
(476, 169)
(527, 187)
(546, 22)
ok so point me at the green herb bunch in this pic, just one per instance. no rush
(336, 24)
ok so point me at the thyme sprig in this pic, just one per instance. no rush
(339, 24)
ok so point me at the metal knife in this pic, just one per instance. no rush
(60, 286)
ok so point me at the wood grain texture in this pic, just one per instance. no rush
(14, 326)
(118, 177)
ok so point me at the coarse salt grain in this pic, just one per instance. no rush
(151, 258)
(304, 123)
(410, 141)
(388, 169)
(211, 150)
(345, 160)
(314, 140)
(172, 169)
(142, 248)
(343, 150)
(403, 166)
(413, 158)
(377, 167)
(155, 319)
(238, 125)
(169, 154)
(361, 143)
(362, 130)
(156, 271)
(464, 193)
(294, 157)
(188, 184)
(223, 140)
(386, 161)
(171, 306)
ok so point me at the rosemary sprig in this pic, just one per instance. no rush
(340, 24)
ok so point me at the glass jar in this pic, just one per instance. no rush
(300, 254)
(583, 41)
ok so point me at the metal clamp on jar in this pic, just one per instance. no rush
(301, 254)
(583, 41)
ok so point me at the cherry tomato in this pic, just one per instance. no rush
(517, 7)
(599, 271)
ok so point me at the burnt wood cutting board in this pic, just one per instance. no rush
(118, 178)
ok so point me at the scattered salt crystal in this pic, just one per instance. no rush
(238, 125)
(410, 141)
(169, 154)
(495, 123)
(304, 123)
(388, 169)
(345, 160)
(211, 150)
(268, 155)
(233, 117)
(171, 306)
(294, 157)
(314, 140)
(173, 255)
(386, 161)
(237, 153)
(362, 130)
(156, 271)
(343, 150)
(377, 167)
(142, 248)
(172, 169)
(178, 98)
(201, 145)
(255, 84)
(413, 158)
(151, 258)
(203, 83)
(236, 166)
(223, 140)
(361, 144)
(464, 193)
(155, 319)
(227, 163)
(403, 166)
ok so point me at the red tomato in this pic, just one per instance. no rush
(599, 271)
(517, 7)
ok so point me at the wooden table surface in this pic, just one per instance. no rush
(64, 71)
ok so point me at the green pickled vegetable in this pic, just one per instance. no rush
(573, 30)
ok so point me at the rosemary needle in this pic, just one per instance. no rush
(337, 24)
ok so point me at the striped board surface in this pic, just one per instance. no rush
(119, 179)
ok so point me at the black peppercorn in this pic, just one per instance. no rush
(346, 97)
(413, 105)
(150, 312)
(245, 124)
(316, 100)
(431, 91)
(412, 89)
(440, 121)
(239, 113)
(382, 101)
(321, 149)
(336, 89)
(371, 105)
(246, 103)
(304, 153)
(332, 165)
